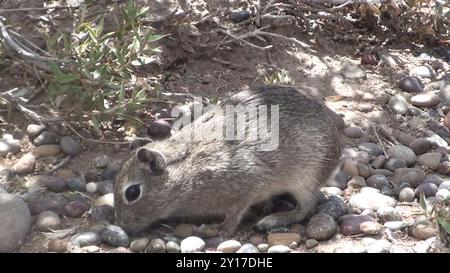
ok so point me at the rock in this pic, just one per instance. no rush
(398, 105)
(139, 245)
(114, 236)
(352, 72)
(424, 246)
(230, 246)
(377, 181)
(172, 247)
(206, 231)
(444, 90)
(424, 71)
(105, 187)
(25, 164)
(404, 138)
(420, 145)
(402, 152)
(239, 16)
(50, 203)
(156, 246)
(370, 228)
(263, 248)
(107, 199)
(423, 231)
(428, 189)
(352, 132)
(47, 220)
(15, 222)
(88, 238)
(445, 185)
(76, 208)
(364, 170)
(91, 187)
(158, 129)
(192, 244)
(102, 213)
(102, 161)
(410, 84)
(388, 214)
(395, 225)
(56, 184)
(184, 230)
(371, 148)
(415, 112)
(350, 167)
(389, 60)
(430, 160)
(409, 175)
(69, 146)
(214, 242)
(425, 57)
(443, 194)
(278, 249)
(46, 150)
(35, 129)
(370, 198)
(335, 207)
(91, 249)
(321, 227)
(444, 168)
(384, 98)
(369, 59)
(380, 246)
(368, 212)
(432, 178)
(46, 138)
(334, 191)
(407, 195)
(395, 163)
(247, 248)
(310, 243)
(379, 161)
(428, 99)
(120, 249)
(57, 245)
(282, 238)
(387, 190)
(357, 182)
(108, 174)
(9, 145)
(77, 183)
(350, 224)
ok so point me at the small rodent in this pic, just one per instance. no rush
(213, 176)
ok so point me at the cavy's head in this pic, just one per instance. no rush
(141, 196)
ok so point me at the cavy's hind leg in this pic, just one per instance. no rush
(285, 218)
(232, 220)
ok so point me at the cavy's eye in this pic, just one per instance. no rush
(133, 192)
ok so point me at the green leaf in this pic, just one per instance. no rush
(423, 202)
(122, 92)
(95, 123)
(66, 78)
(154, 37)
(444, 224)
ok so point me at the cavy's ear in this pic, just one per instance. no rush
(139, 142)
(154, 160)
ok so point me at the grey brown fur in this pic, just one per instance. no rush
(204, 177)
